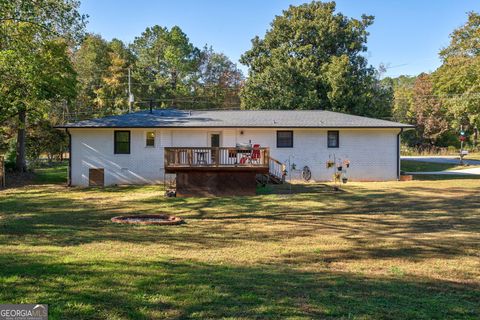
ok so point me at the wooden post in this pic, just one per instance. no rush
(165, 157)
(190, 157)
(2, 172)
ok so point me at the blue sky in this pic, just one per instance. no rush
(406, 35)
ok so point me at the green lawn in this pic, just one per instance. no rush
(391, 250)
(419, 166)
(473, 156)
(54, 174)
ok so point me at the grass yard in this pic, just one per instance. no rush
(419, 166)
(473, 156)
(54, 174)
(393, 250)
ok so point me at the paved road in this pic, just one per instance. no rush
(448, 160)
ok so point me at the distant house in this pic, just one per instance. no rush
(219, 150)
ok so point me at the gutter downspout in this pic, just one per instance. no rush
(398, 153)
(69, 182)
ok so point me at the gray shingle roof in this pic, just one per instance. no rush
(238, 118)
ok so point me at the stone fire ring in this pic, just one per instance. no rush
(149, 219)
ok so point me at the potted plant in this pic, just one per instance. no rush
(346, 163)
(344, 179)
(330, 164)
(339, 168)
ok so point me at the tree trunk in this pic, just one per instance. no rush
(20, 162)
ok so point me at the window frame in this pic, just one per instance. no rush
(154, 139)
(337, 134)
(115, 149)
(285, 146)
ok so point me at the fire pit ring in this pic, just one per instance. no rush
(148, 219)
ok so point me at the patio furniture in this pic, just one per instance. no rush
(255, 155)
(201, 157)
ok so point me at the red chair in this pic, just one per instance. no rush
(255, 156)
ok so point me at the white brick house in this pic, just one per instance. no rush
(130, 148)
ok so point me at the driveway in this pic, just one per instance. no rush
(448, 160)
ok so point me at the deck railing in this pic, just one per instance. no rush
(185, 157)
(277, 170)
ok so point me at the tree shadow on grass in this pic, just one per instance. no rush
(176, 289)
(36, 218)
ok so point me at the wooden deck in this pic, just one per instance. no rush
(216, 159)
(224, 171)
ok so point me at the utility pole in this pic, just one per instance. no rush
(130, 95)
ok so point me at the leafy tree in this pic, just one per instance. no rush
(220, 80)
(111, 96)
(438, 104)
(402, 87)
(43, 138)
(167, 63)
(35, 79)
(165, 66)
(464, 41)
(312, 58)
(430, 115)
(402, 104)
(91, 62)
(458, 79)
(35, 68)
(102, 69)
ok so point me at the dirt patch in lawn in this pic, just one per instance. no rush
(148, 219)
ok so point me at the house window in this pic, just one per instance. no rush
(333, 139)
(122, 142)
(150, 142)
(284, 139)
